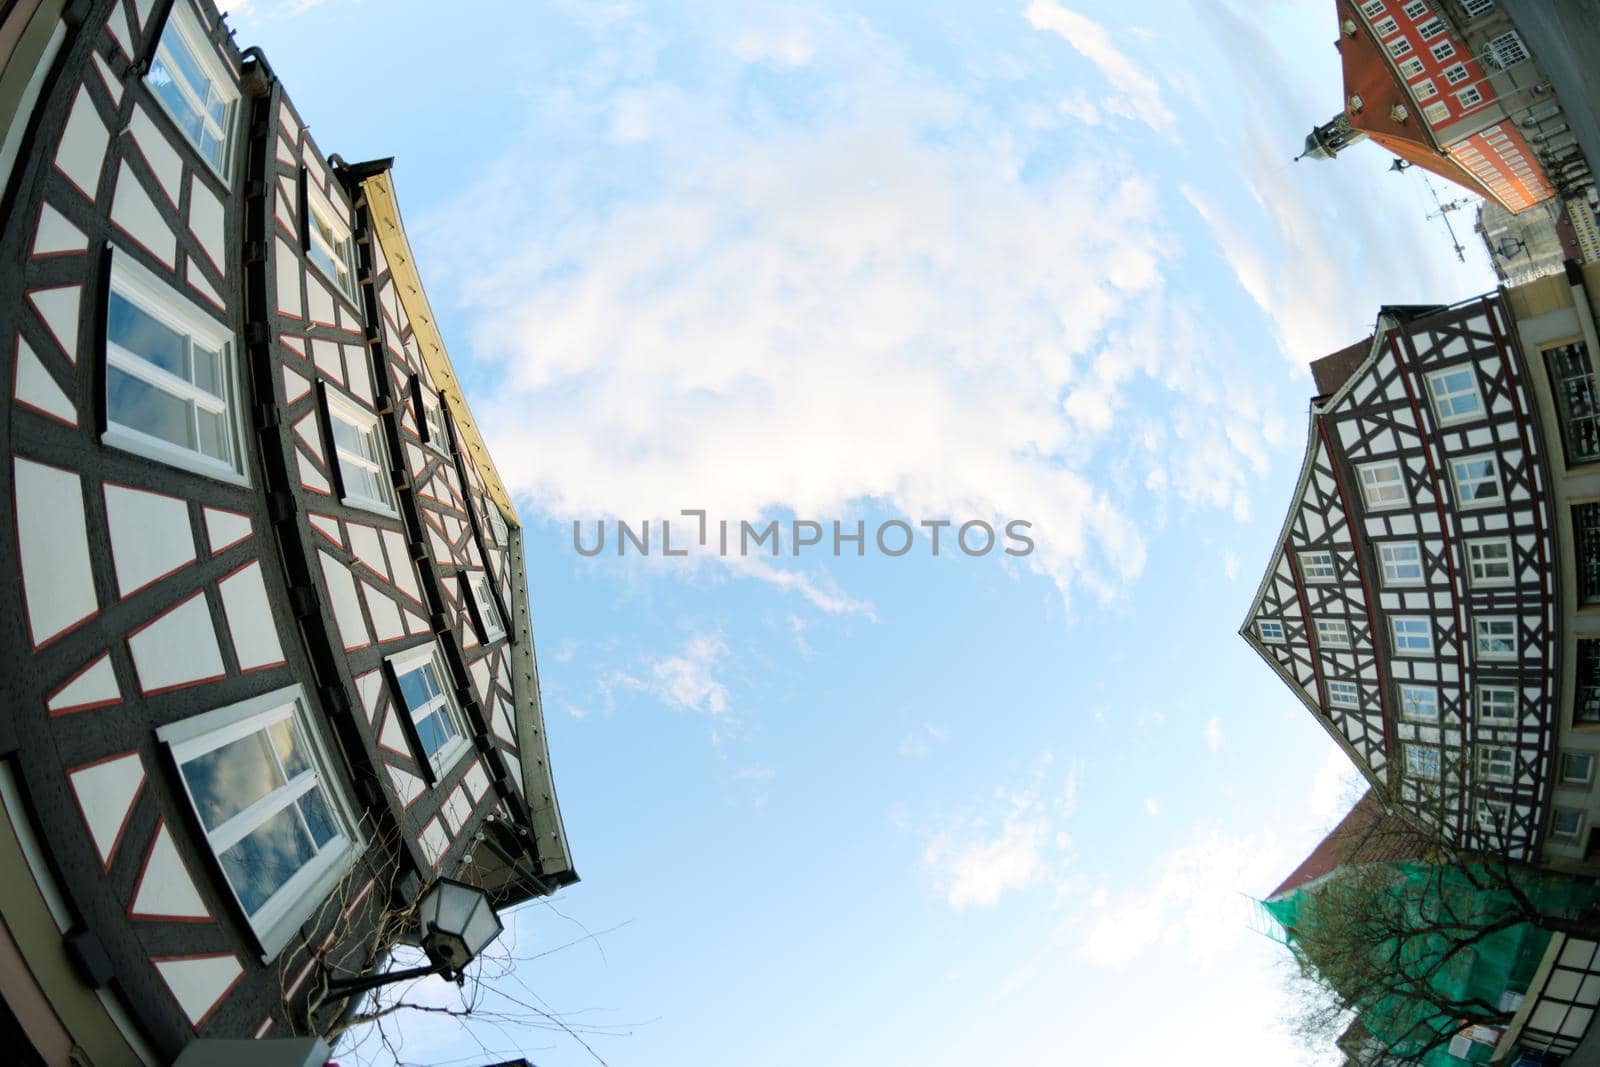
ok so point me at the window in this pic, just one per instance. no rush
(491, 627)
(1456, 73)
(1494, 816)
(1495, 638)
(1469, 97)
(1402, 563)
(497, 529)
(1419, 702)
(1442, 50)
(1497, 705)
(1422, 761)
(1344, 695)
(1566, 822)
(1506, 50)
(1572, 380)
(1437, 113)
(419, 676)
(1416, 9)
(1316, 566)
(328, 241)
(170, 382)
(1382, 485)
(1477, 481)
(1586, 701)
(1412, 635)
(1424, 89)
(1399, 47)
(194, 88)
(363, 463)
(1372, 8)
(1410, 68)
(257, 777)
(1474, 8)
(1270, 631)
(1333, 633)
(1431, 29)
(1576, 768)
(1454, 391)
(1496, 763)
(1385, 26)
(438, 437)
(1489, 562)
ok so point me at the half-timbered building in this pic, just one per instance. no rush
(1426, 599)
(269, 667)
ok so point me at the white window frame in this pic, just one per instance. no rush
(1431, 29)
(1437, 112)
(1493, 476)
(279, 919)
(1456, 73)
(1317, 567)
(1469, 97)
(185, 24)
(341, 409)
(1343, 694)
(1415, 9)
(1415, 752)
(1386, 26)
(1491, 700)
(1373, 485)
(1486, 631)
(500, 533)
(1588, 775)
(1425, 89)
(1261, 631)
(403, 663)
(1507, 46)
(161, 302)
(341, 249)
(1478, 567)
(1493, 816)
(1442, 50)
(1410, 68)
(1414, 697)
(488, 607)
(1372, 8)
(1333, 633)
(1390, 561)
(1398, 47)
(1492, 768)
(433, 421)
(1396, 638)
(1441, 395)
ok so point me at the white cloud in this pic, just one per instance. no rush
(869, 304)
(1335, 787)
(1152, 806)
(1194, 901)
(1230, 564)
(685, 680)
(1019, 842)
(1140, 97)
(783, 41)
(1214, 738)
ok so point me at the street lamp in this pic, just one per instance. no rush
(456, 922)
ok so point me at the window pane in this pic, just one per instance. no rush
(319, 819)
(291, 750)
(418, 686)
(432, 733)
(162, 80)
(208, 372)
(346, 436)
(266, 858)
(133, 329)
(140, 406)
(229, 779)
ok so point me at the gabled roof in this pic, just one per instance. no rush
(1367, 834)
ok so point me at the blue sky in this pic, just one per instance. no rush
(1002, 260)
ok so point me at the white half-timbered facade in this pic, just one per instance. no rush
(1413, 601)
(269, 665)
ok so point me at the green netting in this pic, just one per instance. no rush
(1504, 959)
